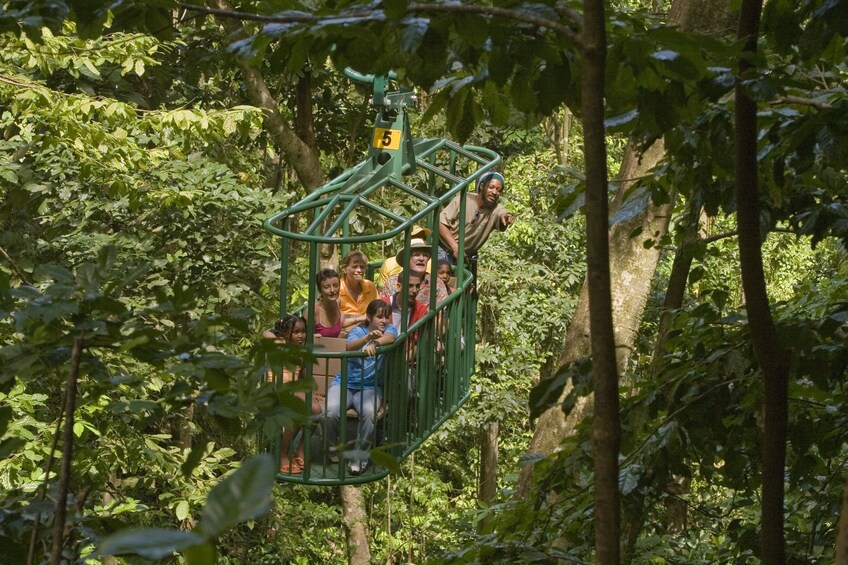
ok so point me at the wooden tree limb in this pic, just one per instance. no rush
(488, 487)
(302, 158)
(772, 357)
(43, 486)
(842, 532)
(819, 105)
(412, 8)
(355, 521)
(606, 426)
(14, 265)
(67, 453)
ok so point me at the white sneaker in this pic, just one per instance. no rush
(357, 467)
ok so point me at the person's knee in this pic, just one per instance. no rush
(368, 411)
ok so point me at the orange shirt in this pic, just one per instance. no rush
(357, 307)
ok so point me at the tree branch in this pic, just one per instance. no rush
(15, 267)
(67, 453)
(819, 105)
(773, 359)
(305, 161)
(43, 486)
(366, 15)
(556, 27)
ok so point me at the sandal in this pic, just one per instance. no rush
(293, 467)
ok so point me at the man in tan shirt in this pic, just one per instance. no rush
(482, 215)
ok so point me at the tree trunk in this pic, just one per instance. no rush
(355, 521)
(558, 130)
(632, 266)
(67, 454)
(707, 17)
(675, 290)
(185, 427)
(771, 356)
(675, 507)
(842, 532)
(304, 122)
(488, 464)
(302, 157)
(606, 429)
(108, 499)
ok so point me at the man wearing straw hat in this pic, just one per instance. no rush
(483, 214)
(390, 265)
(416, 259)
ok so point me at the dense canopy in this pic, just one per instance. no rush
(677, 269)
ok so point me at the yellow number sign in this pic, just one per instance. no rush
(386, 138)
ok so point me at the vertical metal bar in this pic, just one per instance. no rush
(431, 176)
(341, 441)
(452, 165)
(460, 255)
(284, 269)
(424, 376)
(404, 286)
(345, 247)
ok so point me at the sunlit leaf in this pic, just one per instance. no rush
(240, 496)
(150, 543)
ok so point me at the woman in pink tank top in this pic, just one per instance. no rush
(328, 315)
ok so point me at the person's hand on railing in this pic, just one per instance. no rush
(370, 347)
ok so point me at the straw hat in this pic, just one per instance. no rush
(419, 232)
(415, 243)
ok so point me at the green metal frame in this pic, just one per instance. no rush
(441, 345)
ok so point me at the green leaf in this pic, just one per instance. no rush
(522, 93)
(413, 33)
(242, 495)
(470, 116)
(106, 258)
(383, 458)
(54, 272)
(194, 458)
(6, 415)
(203, 554)
(547, 393)
(628, 478)
(394, 9)
(455, 109)
(183, 510)
(89, 69)
(10, 445)
(621, 119)
(696, 274)
(150, 543)
(551, 87)
(635, 205)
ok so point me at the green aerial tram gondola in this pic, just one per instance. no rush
(426, 372)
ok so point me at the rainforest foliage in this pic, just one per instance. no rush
(136, 278)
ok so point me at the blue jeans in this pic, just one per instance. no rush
(446, 255)
(366, 402)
